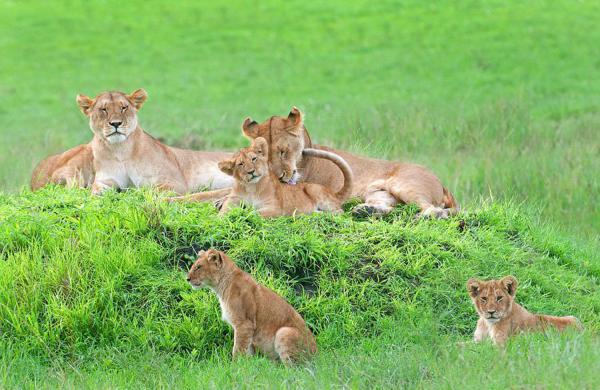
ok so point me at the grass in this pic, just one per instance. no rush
(500, 99)
(92, 292)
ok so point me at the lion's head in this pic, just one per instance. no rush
(493, 299)
(287, 140)
(113, 115)
(207, 269)
(250, 164)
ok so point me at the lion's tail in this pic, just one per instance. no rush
(346, 190)
(202, 196)
(450, 202)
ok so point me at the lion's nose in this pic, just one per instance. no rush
(491, 311)
(116, 124)
(252, 172)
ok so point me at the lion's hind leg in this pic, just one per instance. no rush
(378, 201)
(290, 346)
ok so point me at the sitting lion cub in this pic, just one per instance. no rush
(256, 184)
(260, 318)
(500, 316)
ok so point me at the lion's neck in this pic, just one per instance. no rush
(226, 279)
(266, 187)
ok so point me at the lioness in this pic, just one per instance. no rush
(261, 319)
(256, 184)
(126, 156)
(73, 168)
(500, 316)
(381, 184)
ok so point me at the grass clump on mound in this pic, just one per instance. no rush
(81, 274)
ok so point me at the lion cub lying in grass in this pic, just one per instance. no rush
(500, 316)
(256, 184)
(260, 318)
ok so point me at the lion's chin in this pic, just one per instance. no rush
(116, 138)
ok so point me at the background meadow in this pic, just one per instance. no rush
(499, 98)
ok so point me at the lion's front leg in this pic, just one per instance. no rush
(101, 186)
(481, 331)
(230, 202)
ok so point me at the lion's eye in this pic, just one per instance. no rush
(123, 109)
(240, 164)
(282, 153)
(484, 299)
(498, 298)
(254, 159)
(104, 110)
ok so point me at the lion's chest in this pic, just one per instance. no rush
(138, 176)
(225, 315)
(129, 174)
(113, 170)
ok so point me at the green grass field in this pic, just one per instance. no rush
(499, 98)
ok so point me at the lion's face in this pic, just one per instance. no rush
(113, 115)
(249, 165)
(493, 298)
(286, 135)
(206, 269)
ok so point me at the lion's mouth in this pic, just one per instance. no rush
(252, 178)
(195, 286)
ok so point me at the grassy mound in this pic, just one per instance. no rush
(82, 274)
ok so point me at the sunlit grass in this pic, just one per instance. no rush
(92, 291)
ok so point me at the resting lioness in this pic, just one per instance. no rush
(380, 184)
(261, 320)
(73, 168)
(256, 184)
(126, 156)
(500, 316)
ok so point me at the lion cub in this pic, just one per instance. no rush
(256, 184)
(500, 316)
(260, 318)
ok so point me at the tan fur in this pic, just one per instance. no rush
(381, 184)
(501, 317)
(126, 156)
(256, 184)
(73, 168)
(261, 320)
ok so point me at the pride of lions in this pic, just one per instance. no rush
(281, 173)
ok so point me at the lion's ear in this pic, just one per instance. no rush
(226, 166)
(296, 116)
(510, 284)
(473, 287)
(137, 98)
(261, 147)
(85, 104)
(250, 128)
(214, 257)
